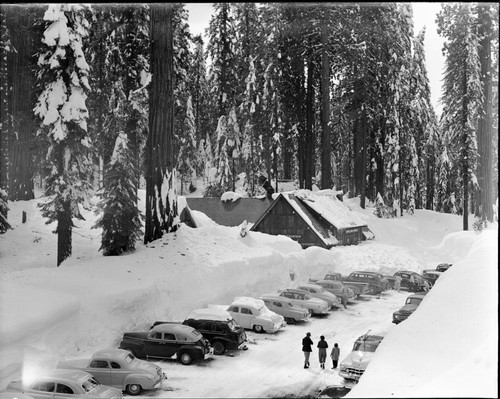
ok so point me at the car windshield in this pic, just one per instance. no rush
(413, 301)
(90, 384)
(366, 346)
(129, 358)
(232, 325)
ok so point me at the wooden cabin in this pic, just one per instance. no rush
(313, 219)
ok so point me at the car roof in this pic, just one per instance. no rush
(210, 314)
(297, 290)
(273, 297)
(421, 296)
(66, 375)
(111, 353)
(310, 285)
(328, 282)
(247, 301)
(375, 273)
(172, 328)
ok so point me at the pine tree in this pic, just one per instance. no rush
(121, 220)
(61, 108)
(461, 95)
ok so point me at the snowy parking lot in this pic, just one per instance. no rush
(273, 364)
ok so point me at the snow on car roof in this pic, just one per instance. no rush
(248, 301)
(209, 314)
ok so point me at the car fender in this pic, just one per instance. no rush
(136, 347)
(140, 379)
(195, 350)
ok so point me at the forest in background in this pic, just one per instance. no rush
(96, 99)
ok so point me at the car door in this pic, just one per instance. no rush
(246, 317)
(160, 345)
(118, 374)
(101, 371)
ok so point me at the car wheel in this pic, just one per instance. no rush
(219, 348)
(258, 329)
(134, 389)
(185, 358)
(290, 320)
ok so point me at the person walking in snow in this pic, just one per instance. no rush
(397, 283)
(322, 345)
(335, 355)
(307, 349)
(344, 295)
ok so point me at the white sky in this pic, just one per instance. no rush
(424, 14)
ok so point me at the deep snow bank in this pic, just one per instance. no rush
(449, 346)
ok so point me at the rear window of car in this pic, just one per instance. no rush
(90, 384)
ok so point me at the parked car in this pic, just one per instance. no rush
(431, 275)
(317, 291)
(411, 304)
(358, 287)
(355, 363)
(302, 298)
(118, 368)
(219, 327)
(166, 341)
(376, 281)
(63, 384)
(442, 267)
(14, 395)
(417, 286)
(284, 307)
(252, 314)
(336, 287)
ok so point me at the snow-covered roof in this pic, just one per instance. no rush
(326, 203)
(209, 314)
(325, 235)
(248, 301)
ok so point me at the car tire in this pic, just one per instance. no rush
(258, 329)
(290, 320)
(219, 348)
(134, 389)
(185, 358)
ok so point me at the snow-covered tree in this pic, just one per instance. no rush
(461, 95)
(120, 220)
(63, 77)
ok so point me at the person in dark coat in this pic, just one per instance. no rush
(335, 355)
(307, 349)
(322, 345)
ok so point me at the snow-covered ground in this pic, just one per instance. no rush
(447, 348)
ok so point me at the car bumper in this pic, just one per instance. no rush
(320, 311)
(160, 381)
(276, 327)
(351, 375)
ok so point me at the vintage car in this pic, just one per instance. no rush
(252, 314)
(282, 306)
(302, 298)
(120, 369)
(358, 287)
(336, 287)
(376, 281)
(168, 340)
(14, 395)
(442, 267)
(417, 286)
(356, 362)
(431, 275)
(59, 384)
(317, 291)
(219, 327)
(411, 304)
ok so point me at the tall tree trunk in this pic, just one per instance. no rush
(21, 104)
(363, 158)
(309, 139)
(326, 169)
(430, 181)
(160, 212)
(485, 131)
(4, 113)
(464, 153)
